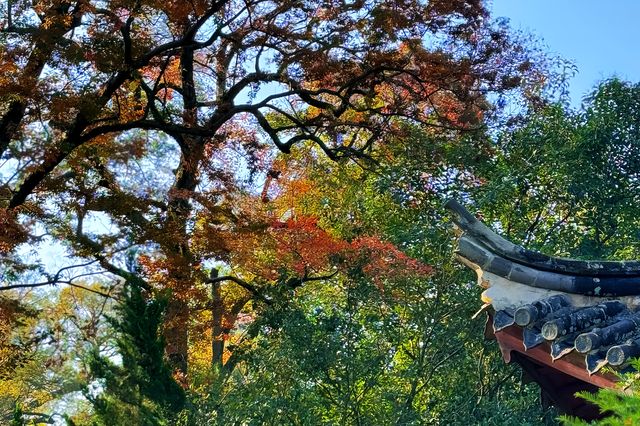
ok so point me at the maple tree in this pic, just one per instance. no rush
(380, 347)
(128, 130)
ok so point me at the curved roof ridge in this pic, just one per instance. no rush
(500, 247)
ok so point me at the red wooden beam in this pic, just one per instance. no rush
(510, 339)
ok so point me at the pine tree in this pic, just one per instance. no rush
(18, 419)
(140, 389)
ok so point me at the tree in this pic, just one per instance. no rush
(396, 350)
(571, 177)
(564, 181)
(141, 390)
(620, 404)
(123, 122)
(44, 344)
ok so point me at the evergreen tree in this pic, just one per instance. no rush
(17, 419)
(140, 388)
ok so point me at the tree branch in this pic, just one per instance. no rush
(249, 287)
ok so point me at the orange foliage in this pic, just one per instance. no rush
(381, 261)
(168, 75)
(12, 233)
(172, 273)
(129, 104)
(303, 246)
(298, 246)
(357, 64)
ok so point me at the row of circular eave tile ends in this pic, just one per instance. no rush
(607, 333)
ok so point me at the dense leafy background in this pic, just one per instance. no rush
(230, 212)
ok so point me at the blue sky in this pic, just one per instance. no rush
(602, 38)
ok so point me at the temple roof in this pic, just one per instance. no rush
(605, 333)
(555, 316)
(489, 251)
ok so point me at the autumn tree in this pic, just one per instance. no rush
(376, 344)
(45, 341)
(124, 122)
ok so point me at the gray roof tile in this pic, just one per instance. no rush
(606, 333)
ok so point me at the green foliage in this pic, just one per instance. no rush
(566, 182)
(139, 387)
(351, 351)
(139, 136)
(42, 349)
(355, 348)
(17, 419)
(622, 404)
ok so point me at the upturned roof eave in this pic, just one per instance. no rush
(617, 273)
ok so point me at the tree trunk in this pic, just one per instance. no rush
(217, 331)
(176, 335)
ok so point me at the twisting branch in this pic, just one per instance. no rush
(97, 249)
(53, 282)
(297, 282)
(242, 283)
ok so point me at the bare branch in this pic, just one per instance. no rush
(52, 283)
